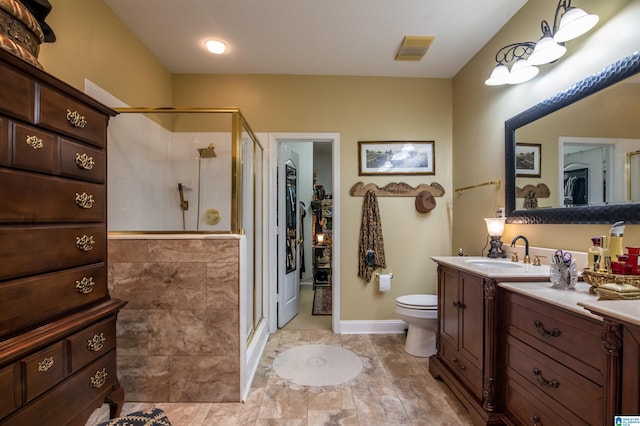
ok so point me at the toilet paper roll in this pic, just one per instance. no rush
(385, 282)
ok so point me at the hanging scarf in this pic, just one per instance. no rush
(371, 254)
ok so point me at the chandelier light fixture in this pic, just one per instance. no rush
(569, 22)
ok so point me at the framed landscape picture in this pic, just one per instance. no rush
(396, 158)
(528, 159)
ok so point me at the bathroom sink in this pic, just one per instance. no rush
(503, 264)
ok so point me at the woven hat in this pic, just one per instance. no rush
(425, 202)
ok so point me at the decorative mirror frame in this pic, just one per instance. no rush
(629, 212)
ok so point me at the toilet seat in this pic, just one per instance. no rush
(418, 301)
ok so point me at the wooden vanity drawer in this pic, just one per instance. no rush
(463, 368)
(46, 296)
(524, 409)
(30, 250)
(8, 385)
(557, 382)
(37, 198)
(17, 94)
(85, 389)
(34, 149)
(63, 114)
(43, 370)
(82, 162)
(92, 343)
(572, 339)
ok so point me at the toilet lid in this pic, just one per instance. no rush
(419, 300)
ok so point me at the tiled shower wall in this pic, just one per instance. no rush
(178, 336)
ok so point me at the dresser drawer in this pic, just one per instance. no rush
(39, 198)
(4, 142)
(65, 115)
(84, 389)
(43, 370)
(524, 409)
(82, 162)
(29, 250)
(9, 383)
(571, 339)
(463, 368)
(34, 149)
(17, 94)
(582, 397)
(46, 296)
(92, 343)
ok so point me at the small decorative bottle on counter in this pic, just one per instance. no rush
(604, 263)
(593, 254)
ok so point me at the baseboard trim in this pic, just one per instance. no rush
(373, 327)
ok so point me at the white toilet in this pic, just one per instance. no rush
(420, 311)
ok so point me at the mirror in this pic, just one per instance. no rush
(600, 193)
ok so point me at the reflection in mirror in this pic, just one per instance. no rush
(585, 146)
(588, 135)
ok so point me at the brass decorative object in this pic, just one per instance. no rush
(541, 190)
(396, 189)
(84, 161)
(84, 200)
(96, 343)
(497, 183)
(99, 379)
(45, 364)
(76, 120)
(85, 285)
(20, 33)
(212, 217)
(85, 243)
(34, 142)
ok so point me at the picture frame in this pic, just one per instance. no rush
(528, 159)
(396, 158)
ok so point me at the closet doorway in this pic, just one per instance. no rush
(318, 206)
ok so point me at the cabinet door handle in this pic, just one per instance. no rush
(459, 366)
(545, 333)
(458, 304)
(535, 420)
(550, 384)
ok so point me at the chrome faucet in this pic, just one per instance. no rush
(527, 259)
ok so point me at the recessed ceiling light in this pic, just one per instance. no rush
(215, 46)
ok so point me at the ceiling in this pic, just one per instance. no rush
(320, 37)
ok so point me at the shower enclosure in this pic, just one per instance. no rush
(185, 222)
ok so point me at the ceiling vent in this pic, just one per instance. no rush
(413, 48)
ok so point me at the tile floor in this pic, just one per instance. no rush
(394, 388)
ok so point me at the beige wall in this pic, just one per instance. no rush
(92, 43)
(479, 113)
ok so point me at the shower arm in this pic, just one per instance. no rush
(184, 204)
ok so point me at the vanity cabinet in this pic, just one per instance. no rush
(57, 321)
(552, 365)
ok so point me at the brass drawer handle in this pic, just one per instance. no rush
(84, 200)
(34, 142)
(45, 364)
(76, 120)
(99, 379)
(550, 384)
(85, 285)
(85, 243)
(84, 161)
(96, 342)
(545, 333)
(535, 420)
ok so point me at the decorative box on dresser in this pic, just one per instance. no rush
(466, 336)
(57, 321)
(552, 361)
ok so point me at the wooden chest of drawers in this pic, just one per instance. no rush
(57, 321)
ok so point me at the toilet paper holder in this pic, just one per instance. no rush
(377, 275)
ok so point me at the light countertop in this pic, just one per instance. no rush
(624, 310)
(570, 300)
(494, 268)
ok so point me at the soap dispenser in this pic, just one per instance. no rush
(593, 254)
(615, 241)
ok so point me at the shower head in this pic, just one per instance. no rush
(208, 152)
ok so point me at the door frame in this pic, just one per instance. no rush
(272, 262)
